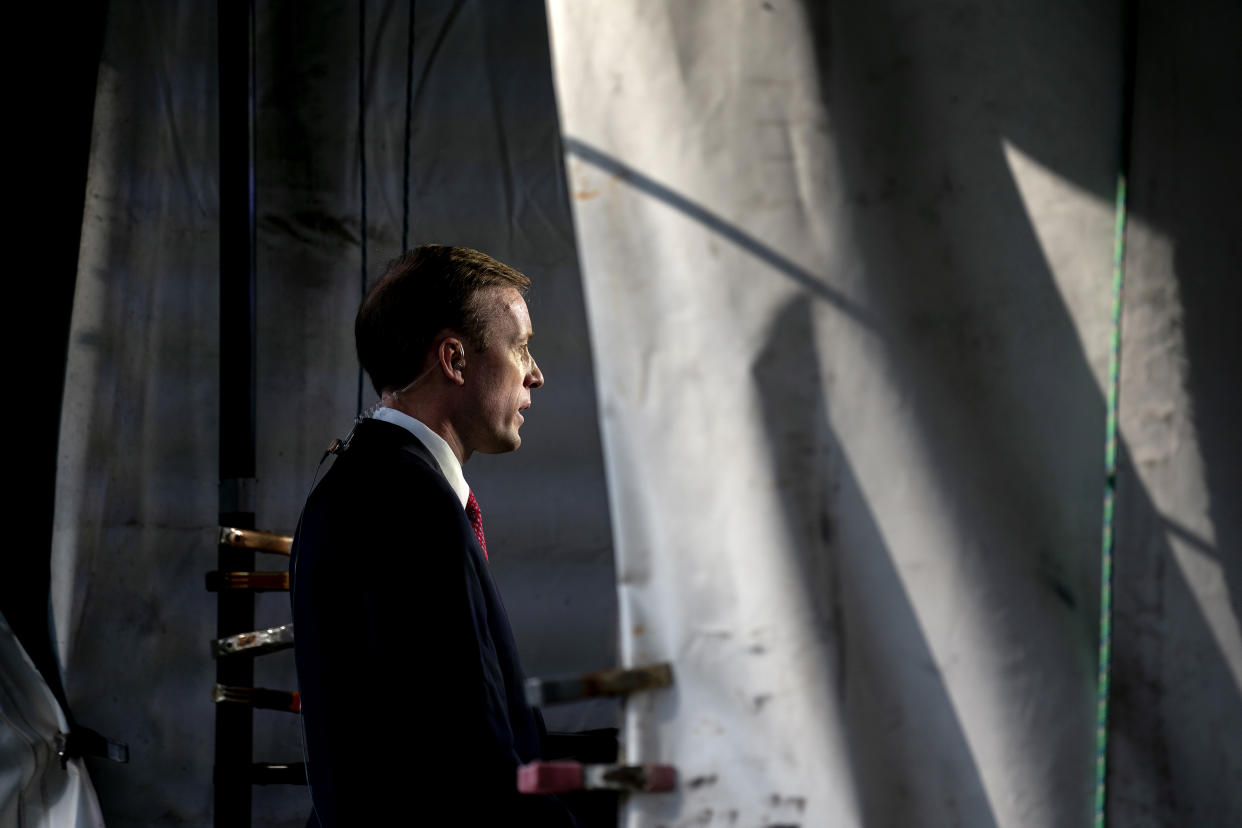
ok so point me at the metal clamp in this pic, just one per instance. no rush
(541, 692)
(257, 697)
(254, 539)
(254, 643)
(253, 581)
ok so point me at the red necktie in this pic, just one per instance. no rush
(476, 520)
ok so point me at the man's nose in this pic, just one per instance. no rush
(534, 378)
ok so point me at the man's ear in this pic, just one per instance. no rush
(451, 359)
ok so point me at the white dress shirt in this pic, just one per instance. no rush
(435, 444)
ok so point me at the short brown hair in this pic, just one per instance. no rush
(427, 290)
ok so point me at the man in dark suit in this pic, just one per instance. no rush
(412, 695)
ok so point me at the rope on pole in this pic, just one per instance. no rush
(1110, 494)
(1104, 675)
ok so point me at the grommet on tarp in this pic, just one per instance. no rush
(254, 643)
(257, 697)
(82, 741)
(253, 581)
(256, 540)
(621, 682)
(563, 777)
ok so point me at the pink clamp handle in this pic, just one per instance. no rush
(562, 777)
(549, 777)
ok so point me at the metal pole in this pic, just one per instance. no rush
(235, 608)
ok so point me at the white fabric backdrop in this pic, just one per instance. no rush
(848, 280)
(35, 790)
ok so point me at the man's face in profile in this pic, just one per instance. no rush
(499, 380)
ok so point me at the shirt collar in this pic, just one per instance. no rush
(435, 444)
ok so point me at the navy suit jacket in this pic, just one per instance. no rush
(413, 707)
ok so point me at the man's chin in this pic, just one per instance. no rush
(501, 446)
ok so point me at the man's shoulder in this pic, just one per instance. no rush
(383, 467)
(382, 484)
(377, 447)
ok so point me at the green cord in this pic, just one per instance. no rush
(1110, 493)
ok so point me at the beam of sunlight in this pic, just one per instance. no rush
(1057, 209)
(1205, 577)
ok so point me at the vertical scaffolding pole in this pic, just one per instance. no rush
(235, 608)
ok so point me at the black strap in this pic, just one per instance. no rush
(82, 741)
